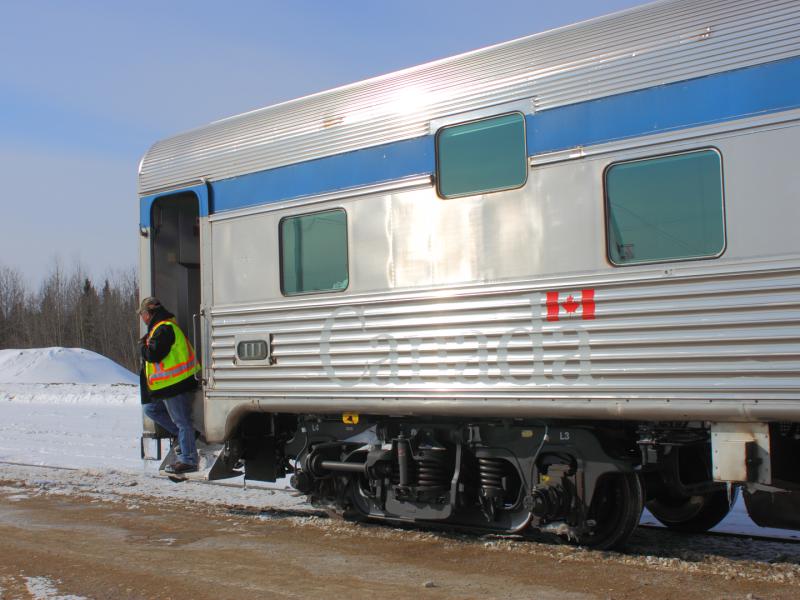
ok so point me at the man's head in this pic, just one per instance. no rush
(147, 308)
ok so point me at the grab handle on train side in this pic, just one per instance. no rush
(199, 375)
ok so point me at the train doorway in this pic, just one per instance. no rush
(175, 256)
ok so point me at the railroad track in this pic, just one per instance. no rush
(162, 478)
(22, 464)
(150, 475)
(323, 513)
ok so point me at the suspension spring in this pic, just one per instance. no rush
(492, 471)
(433, 470)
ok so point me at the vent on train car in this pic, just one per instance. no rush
(252, 350)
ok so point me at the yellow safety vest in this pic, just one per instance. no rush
(178, 365)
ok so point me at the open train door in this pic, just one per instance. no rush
(175, 248)
(170, 271)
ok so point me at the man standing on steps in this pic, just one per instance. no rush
(169, 368)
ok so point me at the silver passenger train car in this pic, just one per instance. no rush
(530, 288)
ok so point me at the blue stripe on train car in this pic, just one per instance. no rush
(351, 169)
(761, 89)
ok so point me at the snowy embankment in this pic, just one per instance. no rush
(76, 409)
(65, 376)
(61, 365)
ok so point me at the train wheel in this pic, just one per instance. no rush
(693, 514)
(616, 509)
(358, 505)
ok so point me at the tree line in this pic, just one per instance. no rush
(69, 309)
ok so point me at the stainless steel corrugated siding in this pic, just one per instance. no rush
(651, 45)
(710, 337)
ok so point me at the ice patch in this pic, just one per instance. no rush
(42, 588)
(167, 541)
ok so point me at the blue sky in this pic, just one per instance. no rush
(87, 87)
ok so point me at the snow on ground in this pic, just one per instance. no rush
(68, 393)
(95, 426)
(90, 436)
(43, 588)
(737, 521)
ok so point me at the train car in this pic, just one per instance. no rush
(529, 288)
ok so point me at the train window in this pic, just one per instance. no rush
(665, 208)
(314, 252)
(488, 155)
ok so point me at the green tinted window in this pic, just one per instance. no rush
(482, 156)
(666, 208)
(314, 252)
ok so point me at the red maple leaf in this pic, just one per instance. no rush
(570, 305)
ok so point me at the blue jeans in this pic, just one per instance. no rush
(175, 415)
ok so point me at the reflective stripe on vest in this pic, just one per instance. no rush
(178, 365)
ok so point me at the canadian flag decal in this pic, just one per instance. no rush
(561, 304)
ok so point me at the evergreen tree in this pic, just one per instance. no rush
(68, 311)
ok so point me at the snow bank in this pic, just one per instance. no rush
(61, 365)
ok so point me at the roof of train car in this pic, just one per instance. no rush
(646, 46)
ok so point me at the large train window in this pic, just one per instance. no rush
(487, 155)
(314, 252)
(665, 208)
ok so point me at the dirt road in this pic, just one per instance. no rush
(68, 547)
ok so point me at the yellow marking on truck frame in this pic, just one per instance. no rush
(350, 418)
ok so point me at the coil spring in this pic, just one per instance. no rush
(491, 471)
(433, 470)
